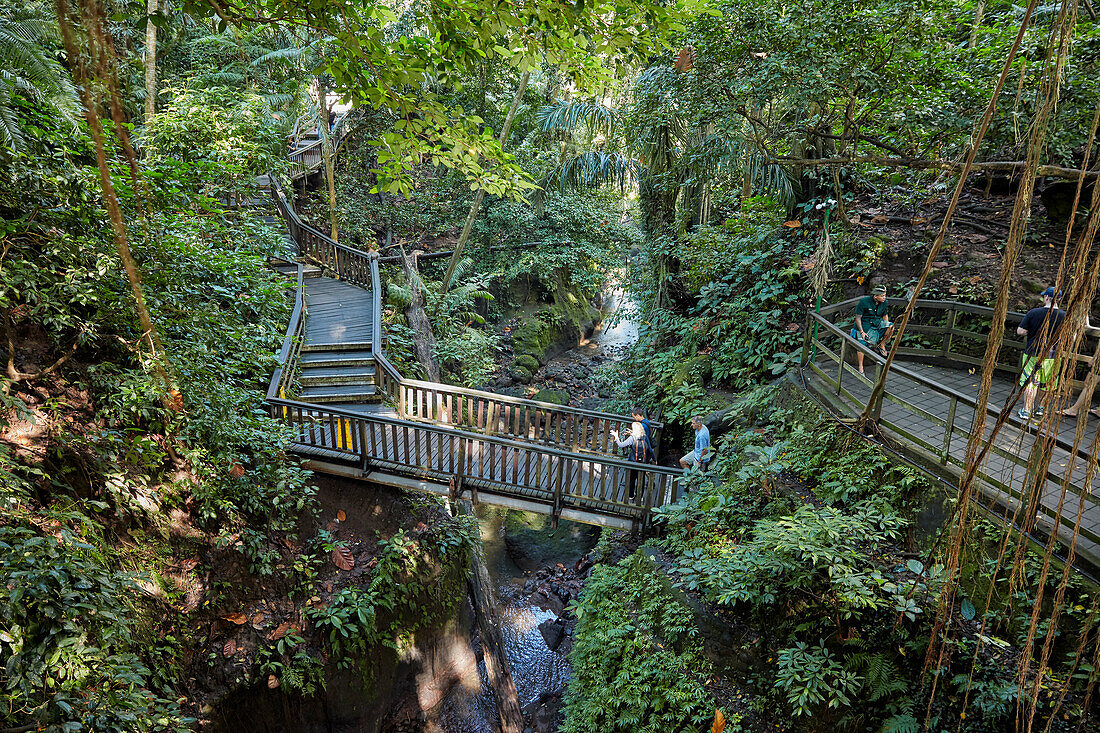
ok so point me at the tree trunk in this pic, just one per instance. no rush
(979, 11)
(110, 198)
(150, 64)
(469, 225)
(327, 155)
(417, 317)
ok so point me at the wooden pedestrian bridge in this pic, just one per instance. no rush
(928, 412)
(351, 413)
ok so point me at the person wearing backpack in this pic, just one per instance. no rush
(639, 449)
(637, 413)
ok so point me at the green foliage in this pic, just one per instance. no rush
(636, 662)
(30, 71)
(737, 323)
(114, 457)
(397, 63)
(416, 580)
(70, 640)
(214, 140)
(466, 354)
(812, 677)
(821, 551)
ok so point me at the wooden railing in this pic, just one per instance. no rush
(560, 426)
(282, 379)
(560, 480)
(939, 422)
(308, 158)
(345, 263)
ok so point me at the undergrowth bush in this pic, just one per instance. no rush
(637, 663)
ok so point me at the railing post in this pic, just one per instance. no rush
(840, 367)
(876, 410)
(807, 340)
(949, 429)
(557, 494)
(952, 319)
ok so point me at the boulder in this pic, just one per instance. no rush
(556, 396)
(528, 361)
(521, 374)
(553, 631)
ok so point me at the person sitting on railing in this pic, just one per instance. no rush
(1039, 368)
(873, 327)
(639, 449)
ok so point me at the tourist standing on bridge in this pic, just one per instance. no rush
(700, 456)
(637, 413)
(873, 327)
(1039, 368)
(640, 450)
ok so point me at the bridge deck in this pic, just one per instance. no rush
(917, 414)
(337, 313)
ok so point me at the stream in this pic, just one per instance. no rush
(517, 545)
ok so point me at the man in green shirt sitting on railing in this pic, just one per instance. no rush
(873, 327)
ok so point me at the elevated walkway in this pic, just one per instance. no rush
(928, 412)
(353, 414)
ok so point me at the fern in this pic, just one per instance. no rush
(901, 723)
(565, 116)
(27, 68)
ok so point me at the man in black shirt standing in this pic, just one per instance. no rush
(1040, 328)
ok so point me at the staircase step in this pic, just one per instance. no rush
(340, 393)
(346, 346)
(364, 357)
(311, 271)
(336, 376)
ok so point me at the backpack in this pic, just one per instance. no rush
(643, 449)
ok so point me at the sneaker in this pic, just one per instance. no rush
(1038, 411)
(1023, 414)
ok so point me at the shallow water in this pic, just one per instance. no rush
(535, 668)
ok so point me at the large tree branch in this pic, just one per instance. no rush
(1004, 166)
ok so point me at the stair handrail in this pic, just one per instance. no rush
(288, 354)
(298, 166)
(349, 263)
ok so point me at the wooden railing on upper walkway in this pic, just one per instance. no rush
(309, 157)
(935, 418)
(561, 457)
(344, 263)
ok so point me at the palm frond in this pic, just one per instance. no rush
(29, 69)
(592, 169)
(771, 178)
(569, 115)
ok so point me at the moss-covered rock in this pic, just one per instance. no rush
(532, 336)
(696, 370)
(555, 396)
(521, 374)
(528, 362)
